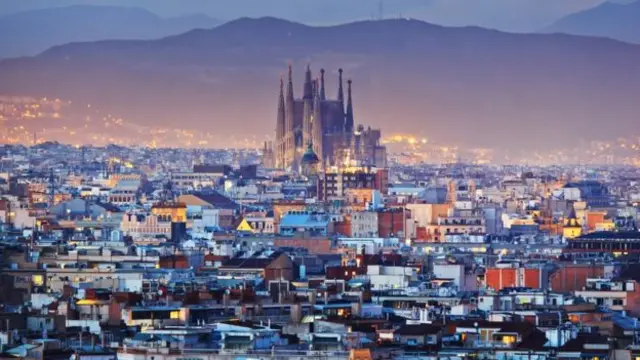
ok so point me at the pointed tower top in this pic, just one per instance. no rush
(308, 86)
(290, 85)
(280, 124)
(316, 87)
(572, 221)
(340, 90)
(322, 91)
(349, 122)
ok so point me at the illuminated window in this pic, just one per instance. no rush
(37, 280)
(509, 339)
(174, 315)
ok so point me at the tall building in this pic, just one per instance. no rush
(334, 184)
(327, 126)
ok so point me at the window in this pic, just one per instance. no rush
(37, 280)
(618, 302)
(174, 315)
(509, 339)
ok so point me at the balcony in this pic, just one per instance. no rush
(483, 344)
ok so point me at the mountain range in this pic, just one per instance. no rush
(31, 32)
(505, 15)
(468, 86)
(620, 21)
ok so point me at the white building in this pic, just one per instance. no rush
(371, 245)
(390, 277)
(364, 224)
(456, 272)
(144, 227)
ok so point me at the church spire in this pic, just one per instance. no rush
(290, 85)
(308, 86)
(289, 103)
(317, 128)
(322, 92)
(307, 106)
(280, 125)
(340, 90)
(349, 115)
(316, 88)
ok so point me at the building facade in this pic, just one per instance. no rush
(328, 125)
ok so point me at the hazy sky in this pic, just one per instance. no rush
(510, 15)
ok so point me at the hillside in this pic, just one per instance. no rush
(616, 21)
(461, 85)
(29, 33)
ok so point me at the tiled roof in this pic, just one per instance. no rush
(418, 329)
(252, 262)
(217, 200)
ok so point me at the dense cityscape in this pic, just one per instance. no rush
(328, 237)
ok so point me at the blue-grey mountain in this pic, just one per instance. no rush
(612, 20)
(469, 85)
(31, 32)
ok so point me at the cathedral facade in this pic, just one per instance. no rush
(322, 124)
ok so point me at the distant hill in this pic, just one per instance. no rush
(29, 33)
(612, 20)
(471, 86)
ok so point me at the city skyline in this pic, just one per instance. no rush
(467, 87)
(319, 180)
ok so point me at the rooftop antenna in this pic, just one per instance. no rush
(381, 10)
